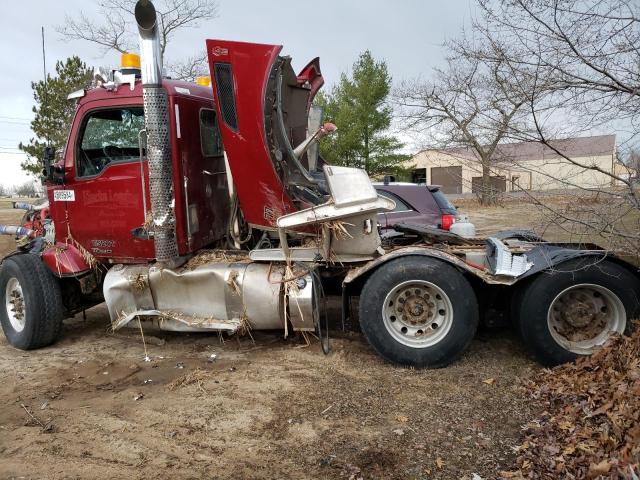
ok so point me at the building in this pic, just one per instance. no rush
(524, 166)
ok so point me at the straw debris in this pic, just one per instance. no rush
(196, 377)
(139, 282)
(216, 256)
(338, 229)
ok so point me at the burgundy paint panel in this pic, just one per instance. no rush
(107, 207)
(206, 192)
(261, 193)
(64, 260)
(311, 73)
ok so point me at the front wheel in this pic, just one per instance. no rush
(574, 308)
(31, 308)
(418, 311)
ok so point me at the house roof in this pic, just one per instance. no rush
(571, 147)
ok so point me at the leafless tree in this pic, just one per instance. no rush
(116, 29)
(469, 105)
(27, 189)
(633, 162)
(191, 67)
(576, 62)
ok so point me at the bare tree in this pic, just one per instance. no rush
(191, 67)
(633, 161)
(468, 104)
(576, 62)
(116, 29)
(27, 189)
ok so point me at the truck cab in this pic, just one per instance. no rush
(101, 198)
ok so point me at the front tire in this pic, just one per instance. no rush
(418, 311)
(31, 308)
(573, 309)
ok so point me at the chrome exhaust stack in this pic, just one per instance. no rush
(156, 116)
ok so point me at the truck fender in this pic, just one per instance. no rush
(364, 270)
(356, 276)
(543, 257)
(65, 260)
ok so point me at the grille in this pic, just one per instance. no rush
(226, 94)
(156, 106)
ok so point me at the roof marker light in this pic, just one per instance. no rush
(130, 60)
(204, 81)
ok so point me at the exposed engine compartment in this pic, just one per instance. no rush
(276, 108)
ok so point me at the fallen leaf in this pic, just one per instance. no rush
(440, 463)
(402, 419)
(510, 474)
(588, 427)
(601, 468)
(489, 381)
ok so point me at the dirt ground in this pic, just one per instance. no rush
(90, 406)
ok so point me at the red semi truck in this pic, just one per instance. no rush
(196, 207)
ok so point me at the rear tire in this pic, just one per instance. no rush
(418, 311)
(573, 309)
(31, 308)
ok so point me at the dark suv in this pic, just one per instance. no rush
(415, 203)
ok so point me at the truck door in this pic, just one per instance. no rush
(103, 171)
(202, 204)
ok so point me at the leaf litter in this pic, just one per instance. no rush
(591, 424)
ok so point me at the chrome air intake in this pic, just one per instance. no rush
(156, 116)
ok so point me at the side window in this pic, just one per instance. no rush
(209, 134)
(401, 206)
(108, 136)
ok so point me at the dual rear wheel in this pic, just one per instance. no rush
(574, 308)
(422, 312)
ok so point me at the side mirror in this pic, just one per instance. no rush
(52, 172)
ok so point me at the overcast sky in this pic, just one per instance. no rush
(407, 34)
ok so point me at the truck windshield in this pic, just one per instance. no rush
(108, 136)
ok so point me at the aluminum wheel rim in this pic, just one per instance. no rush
(15, 305)
(584, 316)
(417, 313)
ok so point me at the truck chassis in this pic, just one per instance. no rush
(165, 264)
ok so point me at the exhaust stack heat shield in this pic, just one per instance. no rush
(156, 116)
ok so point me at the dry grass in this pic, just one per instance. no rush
(338, 229)
(526, 212)
(196, 377)
(205, 257)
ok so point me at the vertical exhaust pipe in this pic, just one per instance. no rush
(156, 117)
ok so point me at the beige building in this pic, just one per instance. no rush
(524, 166)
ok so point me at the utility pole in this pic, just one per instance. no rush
(44, 73)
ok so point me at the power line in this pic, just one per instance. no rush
(44, 72)
(16, 118)
(12, 122)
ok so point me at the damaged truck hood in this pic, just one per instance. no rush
(263, 110)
